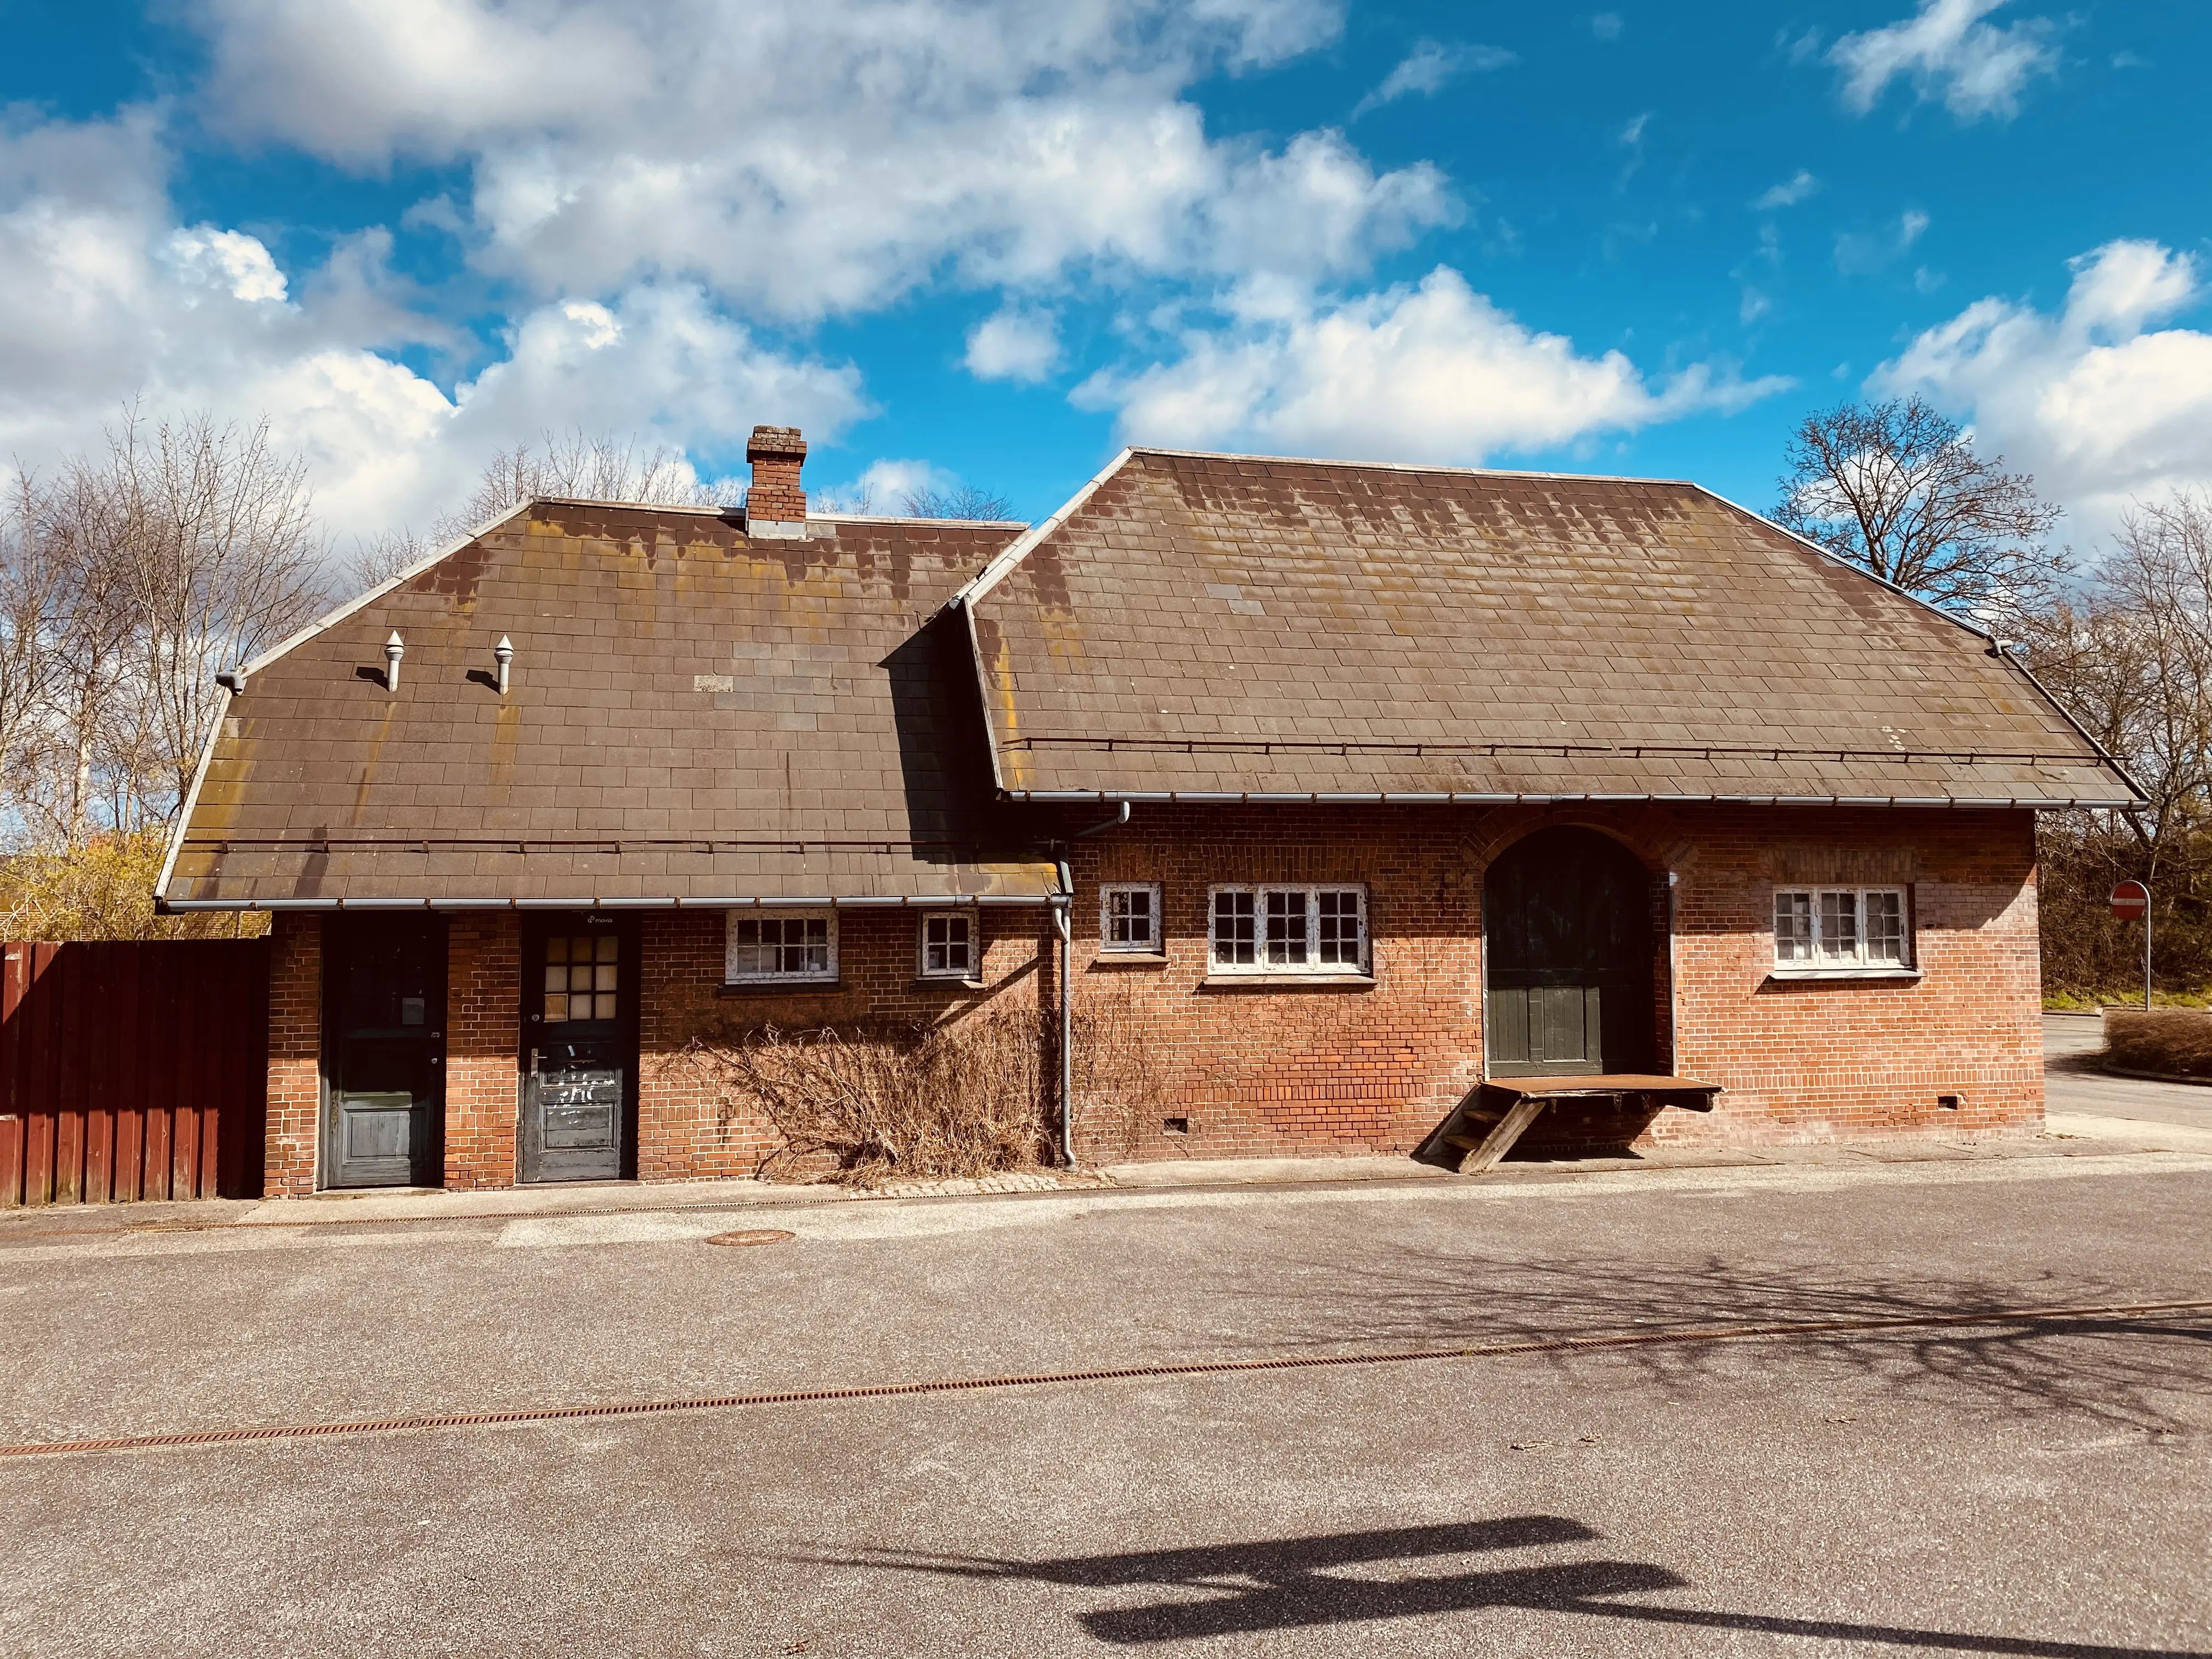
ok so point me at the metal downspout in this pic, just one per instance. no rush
(1062, 919)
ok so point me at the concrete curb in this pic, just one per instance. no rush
(2111, 1070)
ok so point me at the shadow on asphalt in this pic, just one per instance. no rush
(2116, 1367)
(1286, 1584)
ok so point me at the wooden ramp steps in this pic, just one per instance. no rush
(1484, 1127)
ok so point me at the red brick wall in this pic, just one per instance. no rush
(1268, 1071)
(1277, 1070)
(1861, 1060)
(684, 1130)
(295, 1055)
(1273, 1070)
(483, 990)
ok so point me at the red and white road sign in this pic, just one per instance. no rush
(2129, 900)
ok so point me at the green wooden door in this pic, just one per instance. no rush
(1568, 957)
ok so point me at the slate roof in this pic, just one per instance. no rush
(694, 716)
(1214, 626)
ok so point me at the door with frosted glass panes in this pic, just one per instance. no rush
(580, 1048)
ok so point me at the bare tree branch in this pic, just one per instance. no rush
(188, 547)
(966, 502)
(1900, 491)
(601, 469)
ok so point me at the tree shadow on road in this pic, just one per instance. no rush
(2122, 1367)
(1244, 1589)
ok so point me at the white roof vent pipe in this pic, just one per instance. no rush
(503, 654)
(394, 649)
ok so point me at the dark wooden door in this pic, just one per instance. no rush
(384, 1053)
(1568, 954)
(580, 975)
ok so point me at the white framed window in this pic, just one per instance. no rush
(1129, 918)
(949, 944)
(1288, 929)
(769, 946)
(1840, 929)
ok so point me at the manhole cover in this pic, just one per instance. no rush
(752, 1236)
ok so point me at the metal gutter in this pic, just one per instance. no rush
(1063, 923)
(946, 902)
(1220, 798)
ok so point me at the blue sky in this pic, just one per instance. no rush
(993, 241)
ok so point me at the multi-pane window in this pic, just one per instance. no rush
(1289, 929)
(948, 945)
(1129, 917)
(583, 977)
(1841, 927)
(789, 945)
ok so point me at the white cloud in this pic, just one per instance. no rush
(238, 263)
(883, 488)
(1607, 26)
(109, 300)
(1014, 344)
(1860, 253)
(1801, 187)
(807, 157)
(1428, 69)
(2099, 403)
(1430, 373)
(1945, 50)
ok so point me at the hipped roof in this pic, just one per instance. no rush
(694, 716)
(1200, 626)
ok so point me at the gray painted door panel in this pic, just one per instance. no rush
(579, 979)
(383, 1051)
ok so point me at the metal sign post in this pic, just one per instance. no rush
(2131, 900)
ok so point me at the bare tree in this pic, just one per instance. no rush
(1900, 490)
(225, 558)
(377, 559)
(87, 731)
(964, 502)
(601, 469)
(2132, 656)
(186, 548)
(30, 580)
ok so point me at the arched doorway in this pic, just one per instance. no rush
(1568, 957)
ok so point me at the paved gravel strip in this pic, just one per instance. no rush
(1782, 1331)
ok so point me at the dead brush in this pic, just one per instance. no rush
(2175, 1041)
(1120, 1089)
(883, 1101)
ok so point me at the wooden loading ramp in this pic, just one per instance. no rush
(1483, 1127)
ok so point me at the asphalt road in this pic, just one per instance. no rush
(2023, 1487)
(2074, 1082)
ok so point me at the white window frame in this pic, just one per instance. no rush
(1106, 940)
(1824, 961)
(825, 976)
(1312, 967)
(974, 922)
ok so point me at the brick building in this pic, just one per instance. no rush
(1383, 808)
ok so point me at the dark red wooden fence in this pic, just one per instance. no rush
(132, 1071)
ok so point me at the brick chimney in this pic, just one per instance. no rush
(777, 504)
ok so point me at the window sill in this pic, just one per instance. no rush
(950, 982)
(1287, 983)
(770, 988)
(1793, 976)
(1130, 959)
